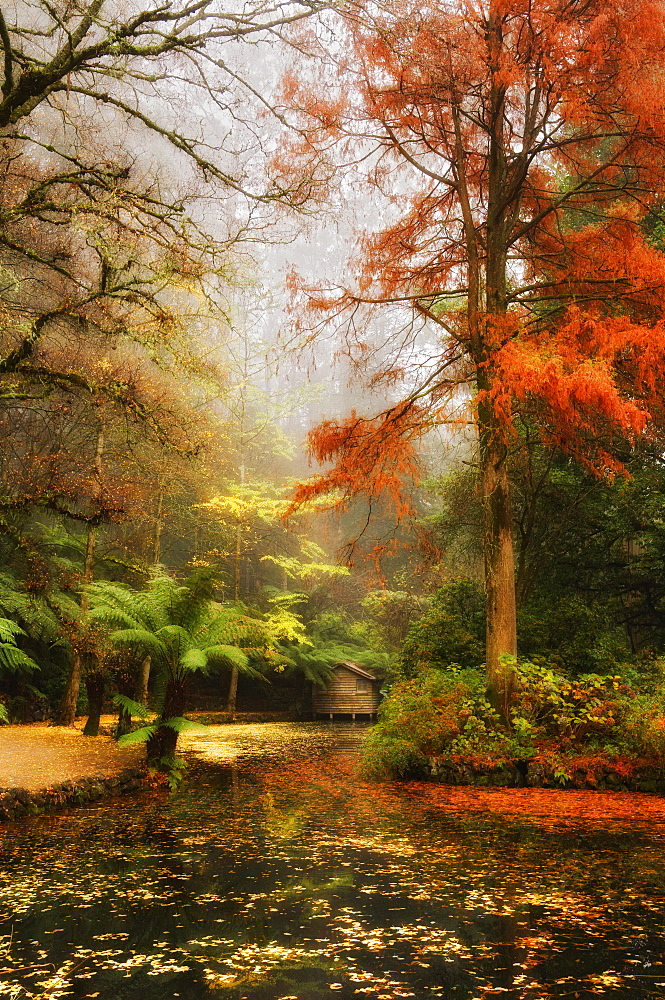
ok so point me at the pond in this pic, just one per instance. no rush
(274, 873)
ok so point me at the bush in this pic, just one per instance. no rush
(643, 728)
(570, 710)
(445, 713)
(417, 720)
(452, 631)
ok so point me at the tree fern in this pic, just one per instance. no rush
(183, 631)
(13, 659)
(40, 615)
(131, 706)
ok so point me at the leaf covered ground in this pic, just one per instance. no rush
(39, 755)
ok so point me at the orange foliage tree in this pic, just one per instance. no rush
(515, 148)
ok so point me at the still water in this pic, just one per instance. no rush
(274, 873)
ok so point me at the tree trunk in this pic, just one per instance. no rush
(157, 530)
(501, 635)
(141, 693)
(233, 692)
(67, 711)
(142, 685)
(501, 632)
(237, 572)
(95, 682)
(161, 745)
(164, 741)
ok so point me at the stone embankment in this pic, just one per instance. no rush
(601, 776)
(15, 803)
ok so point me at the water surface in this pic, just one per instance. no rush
(276, 873)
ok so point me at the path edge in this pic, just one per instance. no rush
(18, 803)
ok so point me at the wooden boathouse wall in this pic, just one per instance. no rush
(352, 692)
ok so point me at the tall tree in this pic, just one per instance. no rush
(517, 145)
(94, 679)
(102, 242)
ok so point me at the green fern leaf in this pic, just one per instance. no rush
(138, 736)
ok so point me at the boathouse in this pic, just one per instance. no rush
(352, 692)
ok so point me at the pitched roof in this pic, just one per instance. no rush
(356, 669)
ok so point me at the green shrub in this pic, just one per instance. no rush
(484, 740)
(643, 727)
(452, 631)
(418, 719)
(571, 710)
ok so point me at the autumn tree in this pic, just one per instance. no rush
(103, 238)
(512, 150)
(111, 270)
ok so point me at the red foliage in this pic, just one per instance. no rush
(519, 145)
(375, 457)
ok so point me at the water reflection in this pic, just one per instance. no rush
(276, 873)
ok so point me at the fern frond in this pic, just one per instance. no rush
(182, 725)
(141, 638)
(15, 660)
(133, 707)
(138, 736)
(41, 617)
(229, 656)
(193, 659)
(174, 636)
(9, 630)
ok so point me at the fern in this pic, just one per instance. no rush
(9, 630)
(130, 706)
(178, 723)
(12, 659)
(194, 659)
(138, 736)
(15, 661)
(42, 615)
(184, 631)
(230, 656)
(181, 725)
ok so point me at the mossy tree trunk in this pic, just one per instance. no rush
(163, 742)
(95, 682)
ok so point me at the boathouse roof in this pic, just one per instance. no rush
(356, 669)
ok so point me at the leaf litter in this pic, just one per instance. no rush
(38, 755)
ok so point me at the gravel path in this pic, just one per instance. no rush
(39, 755)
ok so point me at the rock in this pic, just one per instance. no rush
(535, 777)
(20, 795)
